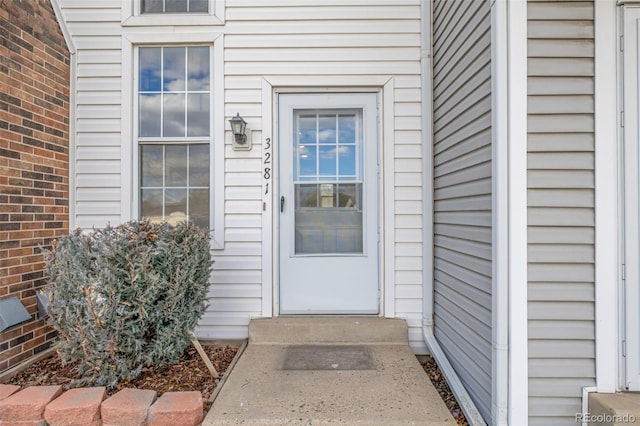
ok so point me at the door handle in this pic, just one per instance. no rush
(282, 204)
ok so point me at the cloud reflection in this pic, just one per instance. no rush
(175, 182)
(169, 76)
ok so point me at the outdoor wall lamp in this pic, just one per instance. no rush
(239, 130)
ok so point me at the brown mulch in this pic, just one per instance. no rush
(191, 373)
(188, 374)
(438, 380)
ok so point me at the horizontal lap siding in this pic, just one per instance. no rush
(345, 40)
(462, 191)
(95, 28)
(235, 294)
(301, 40)
(561, 208)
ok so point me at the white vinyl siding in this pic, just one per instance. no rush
(298, 41)
(346, 41)
(561, 208)
(95, 28)
(462, 192)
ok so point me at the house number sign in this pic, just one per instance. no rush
(266, 171)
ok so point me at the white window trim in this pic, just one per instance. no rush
(129, 191)
(132, 16)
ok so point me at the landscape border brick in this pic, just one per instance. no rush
(172, 408)
(76, 407)
(49, 405)
(8, 390)
(129, 406)
(28, 404)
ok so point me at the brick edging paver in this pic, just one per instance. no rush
(88, 407)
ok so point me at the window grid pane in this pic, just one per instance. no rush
(177, 195)
(174, 95)
(175, 6)
(174, 92)
(328, 181)
(327, 147)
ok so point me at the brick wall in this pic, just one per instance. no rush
(34, 161)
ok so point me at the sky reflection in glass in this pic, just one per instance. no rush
(151, 158)
(327, 147)
(198, 68)
(150, 74)
(176, 165)
(174, 86)
(327, 165)
(150, 113)
(199, 165)
(327, 129)
(175, 182)
(347, 161)
(173, 115)
(176, 202)
(151, 204)
(197, 114)
(173, 69)
(174, 103)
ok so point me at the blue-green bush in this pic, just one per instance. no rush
(127, 296)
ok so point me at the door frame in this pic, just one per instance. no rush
(630, 203)
(271, 88)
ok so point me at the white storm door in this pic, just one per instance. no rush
(631, 235)
(328, 147)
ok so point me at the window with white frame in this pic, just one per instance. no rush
(175, 6)
(174, 96)
(175, 13)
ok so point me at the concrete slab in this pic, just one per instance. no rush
(328, 330)
(396, 391)
(613, 409)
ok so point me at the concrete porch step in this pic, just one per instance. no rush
(328, 370)
(328, 330)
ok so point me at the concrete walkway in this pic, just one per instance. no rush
(338, 370)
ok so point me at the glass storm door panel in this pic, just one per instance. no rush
(327, 182)
(329, 202)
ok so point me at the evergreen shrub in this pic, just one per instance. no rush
(127, 296)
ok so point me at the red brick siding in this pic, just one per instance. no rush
(34, 161)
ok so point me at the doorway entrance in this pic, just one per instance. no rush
(328, 203)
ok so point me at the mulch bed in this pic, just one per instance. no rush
(188, 374)
(438, 380)
(191, 373)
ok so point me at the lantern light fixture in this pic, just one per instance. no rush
(238, 127)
